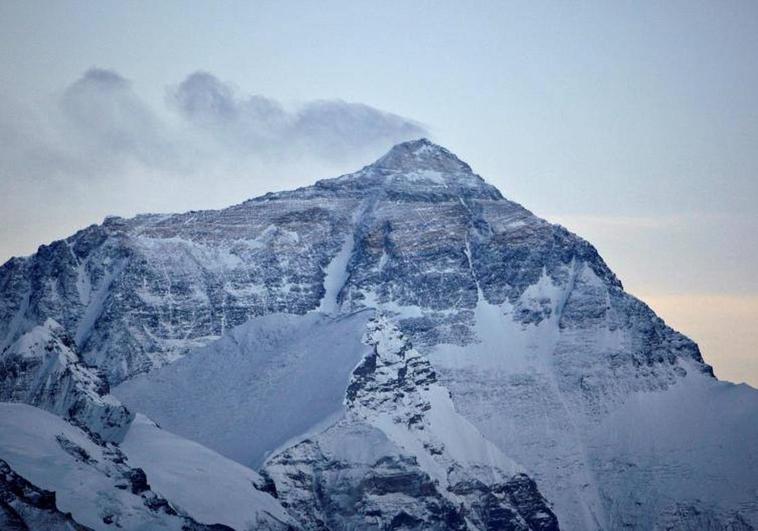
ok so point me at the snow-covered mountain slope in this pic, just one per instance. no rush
(415, 230)
(24, 506)
(612, 444)
(419, 227)
(136, 294)
(92, 482)
(541, 349)
(265, 382)
(153, 480)
(42, 368)
(687, 455)
(400, 456)
(201, 483)
(307, 388)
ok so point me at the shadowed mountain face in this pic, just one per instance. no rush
(546, 358)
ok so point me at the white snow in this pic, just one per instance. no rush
(263, 383)
(504, 343)
(460, 443)
(655, 448)
(54, 379)
(83, 283)
(212, 258)
(517, 360)
(95, 303)
(19, 323)
(335, 276)
(390, 307)
(425, 175)
(87, 490)
(336, 273)
(205, 485)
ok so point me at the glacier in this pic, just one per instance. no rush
(400, 347)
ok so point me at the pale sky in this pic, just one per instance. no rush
(634, 124)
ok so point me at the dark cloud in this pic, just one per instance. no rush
(251, 124)
(102, 77)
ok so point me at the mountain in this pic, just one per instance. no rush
(98, 485)
(348, 420)
(401, 347)
(25, 506)
(43, 369)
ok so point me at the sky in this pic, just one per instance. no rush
(633, 124)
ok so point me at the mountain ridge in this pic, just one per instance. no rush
(524, 325)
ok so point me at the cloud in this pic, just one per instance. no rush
(333, 126)
(99, 127)
(256, 124)
(107, 120)
(204, 99)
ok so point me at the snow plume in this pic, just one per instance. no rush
(327, 128)
(99, 124)
(97, 129)
(106, 116)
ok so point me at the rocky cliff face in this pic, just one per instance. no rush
(422, 466)
(544, 356)
(42, 368)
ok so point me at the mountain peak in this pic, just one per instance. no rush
(421, 154)
(417, 170)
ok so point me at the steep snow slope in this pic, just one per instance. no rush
(153, 480)
(91, 481)
(560, 391)
(25, 506)
(201, 483)
(308, 390)
(42, 369)
(136, 294)
(265, 382)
